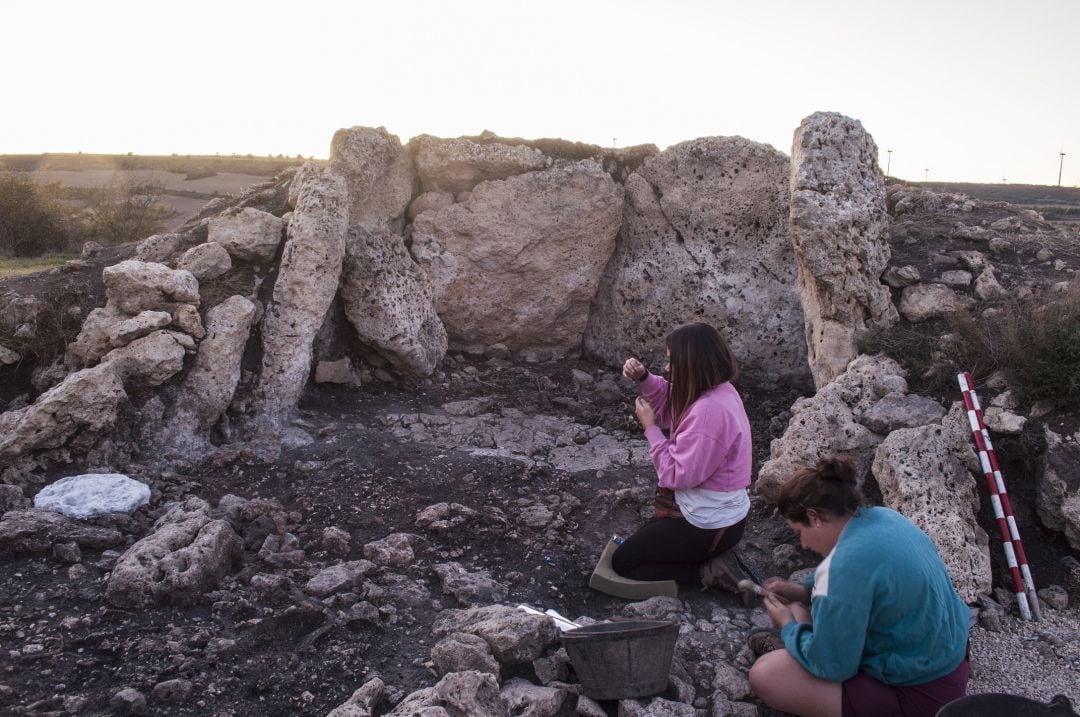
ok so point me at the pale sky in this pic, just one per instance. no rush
(970, 90)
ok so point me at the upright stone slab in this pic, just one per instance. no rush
(306, 283)
(388, 299)
(519, 261)
(208, 387)
(839, 229)
(703, 238)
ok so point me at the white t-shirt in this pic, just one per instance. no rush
(712, 509)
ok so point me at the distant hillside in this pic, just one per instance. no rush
(187, 164)
(1056, 204)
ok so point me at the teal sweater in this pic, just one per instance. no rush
(883, 604)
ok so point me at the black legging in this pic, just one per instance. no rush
(672, 549)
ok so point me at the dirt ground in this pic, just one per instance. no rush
(246, 652)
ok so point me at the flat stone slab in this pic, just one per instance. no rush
(85, 496)
(604, 579)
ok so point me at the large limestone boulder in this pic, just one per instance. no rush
(208, 387)
(458, 165)
(519, 261)
(306, 283)
(471, 693)
(36, 531)
(108, 328)
(839, 229)
(926, 474)
(515, 637)
(390, 301)
(247, 234)
(208, 261)
(87, 401)
(133, 286)
(363, 701)
(703, 238)
(378, 172)
(151, 360)
(186, 554)
(827, 424)
(920, 302)
(1057, 498)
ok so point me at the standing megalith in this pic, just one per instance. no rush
(306, 283)
(839, 230)
(703, 238)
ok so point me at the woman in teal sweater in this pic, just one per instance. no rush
(886, 633)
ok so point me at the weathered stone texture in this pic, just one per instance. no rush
(306, 283)
(839, 229)
(703, 238)
(926, 474)
(519, 261)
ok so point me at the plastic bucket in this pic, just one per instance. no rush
(622, 660)
(1001, 705)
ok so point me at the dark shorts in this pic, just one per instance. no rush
(866, 697)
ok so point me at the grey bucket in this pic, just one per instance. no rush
(622, 660)
(1001, 705)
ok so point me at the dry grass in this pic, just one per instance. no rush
(20, 266)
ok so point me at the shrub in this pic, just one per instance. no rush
(1038, 349)
(56, 324)
(1043, 350)
(126, 209)
(33, 220)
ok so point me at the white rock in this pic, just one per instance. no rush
(206, 261)
(134, 286)
(248, 234)
(84, 496)
(1000, 420)
(925, 301)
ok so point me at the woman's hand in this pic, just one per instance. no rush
(634, 369)
(644, 412)
(780, 613)
(789, 591)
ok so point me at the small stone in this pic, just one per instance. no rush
(128, 701)
(1054, 596)
(336, 541)
(68, 552)
(175, 691)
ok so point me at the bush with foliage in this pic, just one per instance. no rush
(1036, 347)
(128, 208)
(33, 219)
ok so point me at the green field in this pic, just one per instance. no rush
(17, 267)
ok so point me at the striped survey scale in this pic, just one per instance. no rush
(999, 497)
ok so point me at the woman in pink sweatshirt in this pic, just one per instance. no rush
(704, 461)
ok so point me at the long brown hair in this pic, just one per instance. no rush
(700, 360)
(829, 487)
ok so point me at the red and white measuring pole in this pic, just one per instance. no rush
(1010, 536)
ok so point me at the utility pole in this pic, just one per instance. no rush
(888, 161)
(1061, 164)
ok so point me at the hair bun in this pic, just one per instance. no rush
(839, 469)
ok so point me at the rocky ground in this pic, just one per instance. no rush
(497, 483)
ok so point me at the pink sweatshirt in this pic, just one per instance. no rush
(711, 447)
